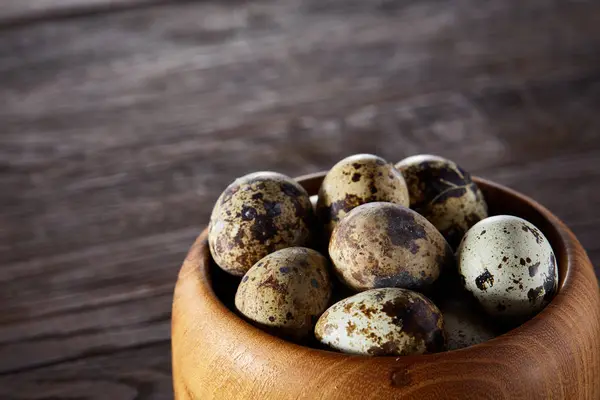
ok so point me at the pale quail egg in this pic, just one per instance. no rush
(508, 265)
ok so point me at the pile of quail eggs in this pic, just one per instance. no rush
(385, 260)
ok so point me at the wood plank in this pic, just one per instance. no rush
(98, 142)
(141, 373)
(25, 12)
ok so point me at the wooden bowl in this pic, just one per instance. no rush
(555, 355)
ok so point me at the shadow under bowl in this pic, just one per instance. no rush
(556, 354)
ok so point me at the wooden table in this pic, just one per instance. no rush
(121, 122)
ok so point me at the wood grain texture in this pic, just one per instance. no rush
(120, 126)
(217, 355)
(137, 373)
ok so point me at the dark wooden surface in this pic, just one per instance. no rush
(121, 122)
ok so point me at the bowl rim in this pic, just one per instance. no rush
(212, 347)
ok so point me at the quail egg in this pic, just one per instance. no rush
(257, 214)
(444, 193)
(286, 292)
(387, 245)
(356, 180)
(509, 266)
(465, 324)
(382, 322)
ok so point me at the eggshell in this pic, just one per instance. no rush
(455, 211)
(356, 180)
(508, 265)
(464, 323)
(444, 193)
(256, 215)
(387, 245)
(286, 292)
(387, 321)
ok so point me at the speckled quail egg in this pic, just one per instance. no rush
(464, 323)
(444, 193)
(508, 265)
(380, 322)
(256, 215)
(286, 292)
(355, 180)
(387, 245)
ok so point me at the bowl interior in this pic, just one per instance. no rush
(500, 200)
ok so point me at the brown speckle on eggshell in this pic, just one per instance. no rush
(509, 266)
(387, 245)
(256, 215)
(383, 322)
(357, 180)
(444, 193)
(286, 292)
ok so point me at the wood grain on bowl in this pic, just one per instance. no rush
(216, 355)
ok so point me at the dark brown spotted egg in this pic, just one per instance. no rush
(387, 245)
(356, 180)
(286, 292)
(383, 322)
(508, 265)
(256, 215)
(444, 193)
